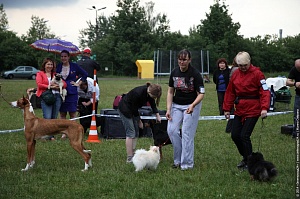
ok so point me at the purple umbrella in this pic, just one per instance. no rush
(56, 46)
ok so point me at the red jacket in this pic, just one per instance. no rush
(247, 84)
(42, 82)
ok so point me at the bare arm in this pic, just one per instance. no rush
(199, 98)
(169, 102)
(291, 83)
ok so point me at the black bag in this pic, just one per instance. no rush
(283, 95)
(48, 97)
(112, 127)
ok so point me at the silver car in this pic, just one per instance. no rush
(21, 72)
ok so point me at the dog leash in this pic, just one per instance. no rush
(1, 94)
(169, 136)
(262, 127)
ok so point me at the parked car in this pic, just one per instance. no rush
(21, 72)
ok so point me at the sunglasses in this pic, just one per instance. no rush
(242, 65)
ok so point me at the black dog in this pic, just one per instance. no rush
(86, 121)
(160, 134)
(260, 169)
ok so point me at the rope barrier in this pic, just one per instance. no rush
(11, 131)
(221, 117)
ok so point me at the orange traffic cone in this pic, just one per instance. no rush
(93, 134)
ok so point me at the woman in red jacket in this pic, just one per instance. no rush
(249, 94)
(43, 81)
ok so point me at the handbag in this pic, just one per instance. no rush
(48, 97)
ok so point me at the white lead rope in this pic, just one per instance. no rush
(221, 117)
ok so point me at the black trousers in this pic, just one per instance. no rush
(220, 101)
(241, 133)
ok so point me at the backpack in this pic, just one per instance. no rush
(117, 100)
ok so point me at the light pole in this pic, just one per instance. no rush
(94, 8)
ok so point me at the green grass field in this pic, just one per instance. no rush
(57, 173)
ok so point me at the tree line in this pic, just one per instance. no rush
(135, 32)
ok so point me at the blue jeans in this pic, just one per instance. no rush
(51, 112)
(296, 109)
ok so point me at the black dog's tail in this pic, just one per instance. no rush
(267, 174)
(263, 175)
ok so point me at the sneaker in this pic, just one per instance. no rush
(186, 168)
(129, 159)
(175, 166)
(242, 164)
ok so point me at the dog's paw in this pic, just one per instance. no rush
(26, 168)
(32, 164)
(90, 162)
(86, 167)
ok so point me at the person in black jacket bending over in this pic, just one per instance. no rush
(129, 114)
(87, 64)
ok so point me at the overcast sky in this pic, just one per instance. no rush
(66, 17)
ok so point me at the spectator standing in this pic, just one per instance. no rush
(70, 71)
(184, 102)
(221, 79)
(88, 64)
(294, 80)
(129, 114)
(43, 82)
(249, 94)
(233, 68)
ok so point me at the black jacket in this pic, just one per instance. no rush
(88, 65)
(135, 99)
(217, 73)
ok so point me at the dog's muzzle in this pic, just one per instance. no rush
(57, 78)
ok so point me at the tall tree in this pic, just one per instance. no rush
(92, 36)
(3, 19)
(12, 48)
(38, 30)
(218, 33)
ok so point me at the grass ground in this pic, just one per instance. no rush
(57, 173)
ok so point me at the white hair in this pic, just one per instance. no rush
(243, 58)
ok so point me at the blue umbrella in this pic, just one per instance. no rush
(56, 46)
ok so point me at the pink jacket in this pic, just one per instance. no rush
(42, 82)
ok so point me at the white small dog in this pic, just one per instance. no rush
(146, 159)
